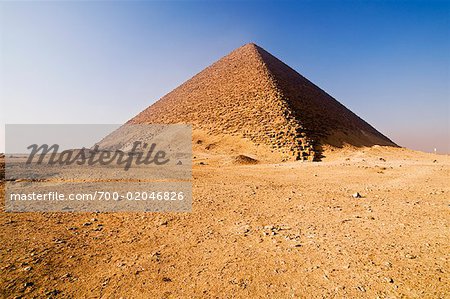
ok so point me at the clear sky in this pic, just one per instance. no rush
(103, 62)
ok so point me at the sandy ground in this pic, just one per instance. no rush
(290, 230)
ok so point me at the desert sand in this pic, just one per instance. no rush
(271, 230)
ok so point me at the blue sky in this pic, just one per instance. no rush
(103, 62)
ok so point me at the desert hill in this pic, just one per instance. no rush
(251, 94)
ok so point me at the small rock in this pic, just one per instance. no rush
(361, 288)
(98, 228)
(67, 275)
(410, 256)
(156, 256)
(105, 282)
(87, 223)
(244, 229)
(27, 268)
(356, 195)
(166, 279)
(389, 279)
(138, 271)
(53, 292)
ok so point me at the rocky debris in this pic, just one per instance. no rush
(275, 228)
(282, 232)
(242, 283)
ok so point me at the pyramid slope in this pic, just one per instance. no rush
(324, 118)
(252, 94)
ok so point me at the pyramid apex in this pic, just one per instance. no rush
(250, 45)
(248, 48)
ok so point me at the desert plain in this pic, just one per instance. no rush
(264, 230)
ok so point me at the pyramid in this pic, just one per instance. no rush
(251, 94)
